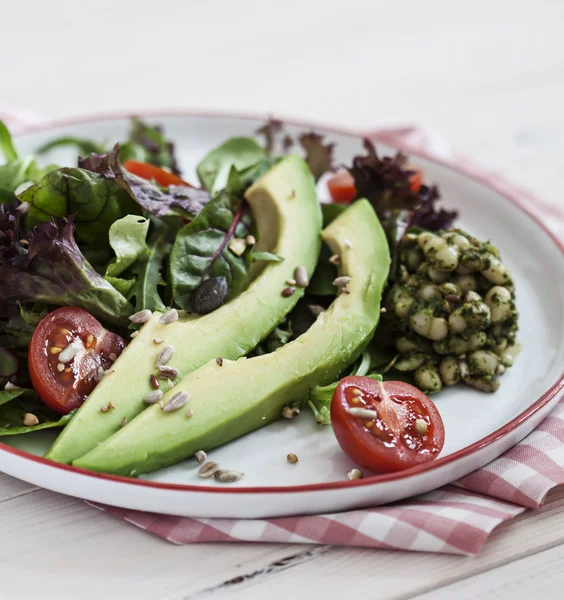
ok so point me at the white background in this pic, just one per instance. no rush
(486, 74)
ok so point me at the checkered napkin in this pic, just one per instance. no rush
(455, 519)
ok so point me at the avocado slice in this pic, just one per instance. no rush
(288, 217)
(240, 396)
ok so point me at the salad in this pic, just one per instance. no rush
(151, 318)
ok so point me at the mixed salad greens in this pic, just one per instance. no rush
(122, 234)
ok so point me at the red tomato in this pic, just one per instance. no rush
(147, 171)
(64, 386)
(416, 178)
(404, 429)
(341, 187)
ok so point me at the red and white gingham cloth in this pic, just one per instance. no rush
(455, 519)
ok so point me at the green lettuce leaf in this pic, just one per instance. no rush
(128, 241)
(202, 251)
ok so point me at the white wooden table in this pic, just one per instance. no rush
(487, 74)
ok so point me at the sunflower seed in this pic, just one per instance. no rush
(167, 372)
(189, 413)
(341, 281)
(219, 361)
(70, 351)
(354, 474)
(29, 420)
(12, 386)
(383, 310)
(226, 476)
(165, 355)
(290, 412)
(105, 409)
(109, 371)
(201, 457)
(290, 281)
(23, 208)
(348, 244)
(170, 317)
(158, 341)
(208, 469)
(134, 334)
(363, 413)
(287, 292)
(111, 404)
(335, 259)
(141, 317)
(24, 243)
(124, 422)
(301, 277)
(176, 402)
(170, 383)
(154, 381)
(345, 290)
(153, 397)
(250, 240)
(292, 458)
(316, 309)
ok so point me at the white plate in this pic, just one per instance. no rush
(479, 427)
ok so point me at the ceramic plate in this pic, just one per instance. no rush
(479, 427)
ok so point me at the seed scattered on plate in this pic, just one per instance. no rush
(345, 290)
(189, 413)
(142, 316)
(176, 402)
(219, 361)
(158, 340)
(250, 240)
(154, 381)
(354, 474)
(301, 276)
(348, 244)
(291, 281)
(29, 420)
(105, 408)
(290, 412)
(12, 386)
(227, 476)
(170, 383)
(421, 426)
(165, 355)
(134, 334)
(335, 259)
(287, 292)
(383, 310)
(109, 371)
(170, 317)
(124, 422)
(208, 469)
(153, 397)
(292, 458)
(201, 457)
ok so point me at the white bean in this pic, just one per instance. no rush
(438, 330)
(424, 237)
(477, 340)
(437, 276)
(449, 370)
(428, 379)
(421, 322)
(484, 384)
(446, 258)
(466, 283)
(458, 345)
(482, 362)
(429, 292)
(405, 345)
(410, 363)
(456, 321)
(403, 306)
(496, 271)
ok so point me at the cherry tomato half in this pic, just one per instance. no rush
(147, 171)
(343, 190)
(70, 332)
(385, 426)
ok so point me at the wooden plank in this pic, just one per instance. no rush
(541, 574)
(400, 575)
(56, 541)
(12, 488)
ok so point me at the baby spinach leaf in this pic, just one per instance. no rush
(95, 202)
(128, 241)
(239, 152)
(159, 202)
(202, 249)
(12, 416)
(6, 144)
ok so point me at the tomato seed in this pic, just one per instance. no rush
(89, 340)
(55, 350)
(356, 392)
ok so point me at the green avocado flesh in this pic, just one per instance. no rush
(288, 217)
(231, 400)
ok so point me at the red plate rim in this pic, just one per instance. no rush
(465, 168)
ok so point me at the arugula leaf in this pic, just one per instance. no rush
(319, 156)
(50, 269)
(239, 152)
(95, 202)
(83, 145)
(6, 144)
(159, 202)
(202, 250)
(127, 239)
(266, 257)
